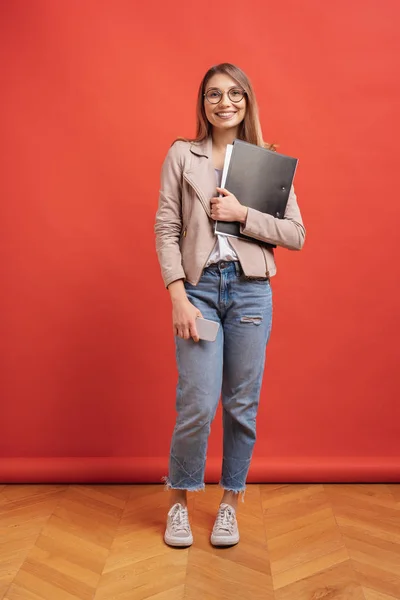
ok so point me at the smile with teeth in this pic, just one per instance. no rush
(226, 115)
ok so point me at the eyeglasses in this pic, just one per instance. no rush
(214, 96)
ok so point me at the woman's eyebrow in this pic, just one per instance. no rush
(231, 88)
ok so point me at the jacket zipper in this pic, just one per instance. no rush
(185, 229)
(266, 262)
(198, 192)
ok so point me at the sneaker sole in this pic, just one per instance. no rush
(178, 542)
(225, 542)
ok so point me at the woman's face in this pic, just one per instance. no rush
(227, 113)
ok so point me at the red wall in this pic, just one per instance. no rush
(92, 95)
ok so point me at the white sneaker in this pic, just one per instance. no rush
(178, 532)
(225, 531)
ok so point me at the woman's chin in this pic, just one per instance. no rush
(224, 125)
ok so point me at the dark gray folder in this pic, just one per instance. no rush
(260, 179)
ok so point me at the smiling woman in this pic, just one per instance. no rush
(226, 280)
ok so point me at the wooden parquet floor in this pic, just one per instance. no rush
(104, 542)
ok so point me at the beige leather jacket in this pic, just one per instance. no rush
(185, 231)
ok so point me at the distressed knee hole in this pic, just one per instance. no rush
(255, 320)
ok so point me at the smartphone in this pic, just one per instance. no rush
(207, 329)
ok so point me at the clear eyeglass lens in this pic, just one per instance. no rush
(236, 95)
(213, 96)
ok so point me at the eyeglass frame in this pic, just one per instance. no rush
(222, 95)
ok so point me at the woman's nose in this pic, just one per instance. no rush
(225, 99)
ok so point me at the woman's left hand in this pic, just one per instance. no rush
(227, 208)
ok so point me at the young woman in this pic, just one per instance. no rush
(223, 279)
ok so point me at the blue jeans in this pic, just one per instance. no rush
(232, 365)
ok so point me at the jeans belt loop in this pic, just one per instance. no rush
(238, 268)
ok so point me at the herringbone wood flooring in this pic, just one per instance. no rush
(104, 542)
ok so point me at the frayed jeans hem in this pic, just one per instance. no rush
(241, 491)
(187, 488)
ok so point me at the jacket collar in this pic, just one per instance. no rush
(203, 148)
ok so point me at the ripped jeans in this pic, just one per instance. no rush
(233, 366)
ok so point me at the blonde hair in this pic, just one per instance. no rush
(250, 127)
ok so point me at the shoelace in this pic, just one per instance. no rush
(179, 519)
(225, 519)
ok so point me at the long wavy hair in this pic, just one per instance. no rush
(250, 128)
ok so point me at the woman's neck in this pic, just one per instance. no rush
(221, 138)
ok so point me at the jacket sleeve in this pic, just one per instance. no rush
(168, 223)
(288, 232)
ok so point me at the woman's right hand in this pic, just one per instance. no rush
(184, 316)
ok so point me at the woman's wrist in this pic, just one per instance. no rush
(243, 214)
(177, 291)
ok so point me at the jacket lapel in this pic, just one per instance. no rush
(201, 174)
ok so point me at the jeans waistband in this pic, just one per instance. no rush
(225, 266)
